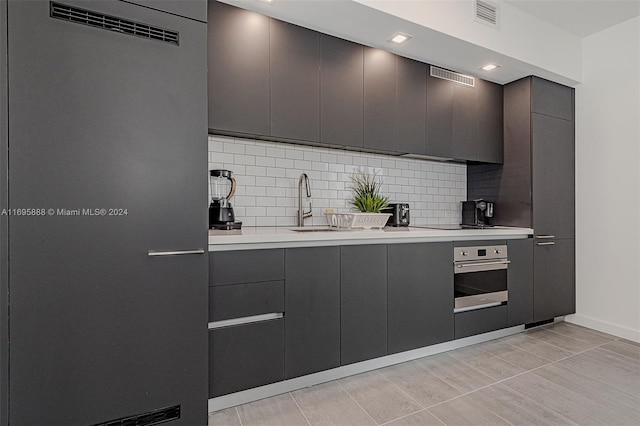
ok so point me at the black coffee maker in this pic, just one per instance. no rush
(223, 186)
(477, 214)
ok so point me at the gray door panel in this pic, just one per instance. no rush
(104, 120)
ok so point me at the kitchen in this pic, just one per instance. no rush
(217, 147)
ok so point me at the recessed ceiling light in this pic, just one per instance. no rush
(267, 1)
(399, 38)
(490, 67)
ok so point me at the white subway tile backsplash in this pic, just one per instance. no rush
(267, 176)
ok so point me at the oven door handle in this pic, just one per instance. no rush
(468, 265)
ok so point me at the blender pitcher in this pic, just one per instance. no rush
(223, 186)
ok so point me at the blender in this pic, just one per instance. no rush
(223, 186)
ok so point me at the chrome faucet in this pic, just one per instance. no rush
(301, 213)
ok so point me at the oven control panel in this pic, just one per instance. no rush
(479, 253)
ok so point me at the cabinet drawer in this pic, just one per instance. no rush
(246, 266)
(480, 321)
(245, 356)
(244, 300)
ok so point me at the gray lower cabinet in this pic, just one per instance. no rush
(341, 92)
(380, 123)
(245, 356)
(520, 282)
(554, 279)
(480, 321)
(100, 330)
(294, 76)
(238, 64)
(363, 302)
(420, 295)
(245, 266)
(312, 310)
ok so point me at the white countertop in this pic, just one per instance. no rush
(282, 237)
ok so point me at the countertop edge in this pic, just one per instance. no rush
(262, 238)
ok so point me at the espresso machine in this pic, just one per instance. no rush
(477, 214)
(223, 186)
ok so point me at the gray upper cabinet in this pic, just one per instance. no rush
(465, 122)
(341, 92)
(295, 82)
(420, 295)
(439, 117)
(490, 121)
(312, 310)
(380, 124)
(411, 107)
(363, 303)
(194, 9)
(552, 99)
(553, 176)
(238, 63)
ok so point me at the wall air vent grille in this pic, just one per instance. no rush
(453, 76)
(487, 13)
(147, 419)
(112, 23)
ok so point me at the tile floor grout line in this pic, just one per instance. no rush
(357, 403)
(511, 344)
(238, 414)
(495, 356)
(548, 361)
(618, 353)
(590, 331)
(566, 337)
(299, 408)
(402, 390)
(575, 338)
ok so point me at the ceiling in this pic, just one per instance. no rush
(580, 17)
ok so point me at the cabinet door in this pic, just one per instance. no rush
(439, 117)
(420, 295)
(553, 162)
(465, 122)
(490, 122)
(312, 310)
(554, 279)
(380, 122)
(552, 99)
(295, 82)
(245, 356)
(480, 321)
(238, 62)
(520, 282)
(96, 323)
(363, 303)
(341, 92)
(412, 106)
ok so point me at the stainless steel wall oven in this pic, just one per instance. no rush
(480, 277)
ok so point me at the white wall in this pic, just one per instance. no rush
(608, 182)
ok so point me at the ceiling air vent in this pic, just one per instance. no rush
(147, 419)
(112, 23)
(487, 13)
(452, 76)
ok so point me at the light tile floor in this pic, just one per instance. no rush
(560, 374)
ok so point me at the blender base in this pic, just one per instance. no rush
(226, 226)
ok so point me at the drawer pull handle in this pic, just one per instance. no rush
(549, 243)
(245, 320)
(468, 265)
(542, 237)
(175, 252)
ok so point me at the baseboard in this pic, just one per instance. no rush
(266, 391)
(604, 326)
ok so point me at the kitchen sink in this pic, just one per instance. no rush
(314, 229)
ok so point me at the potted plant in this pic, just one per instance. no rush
(366, 191)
